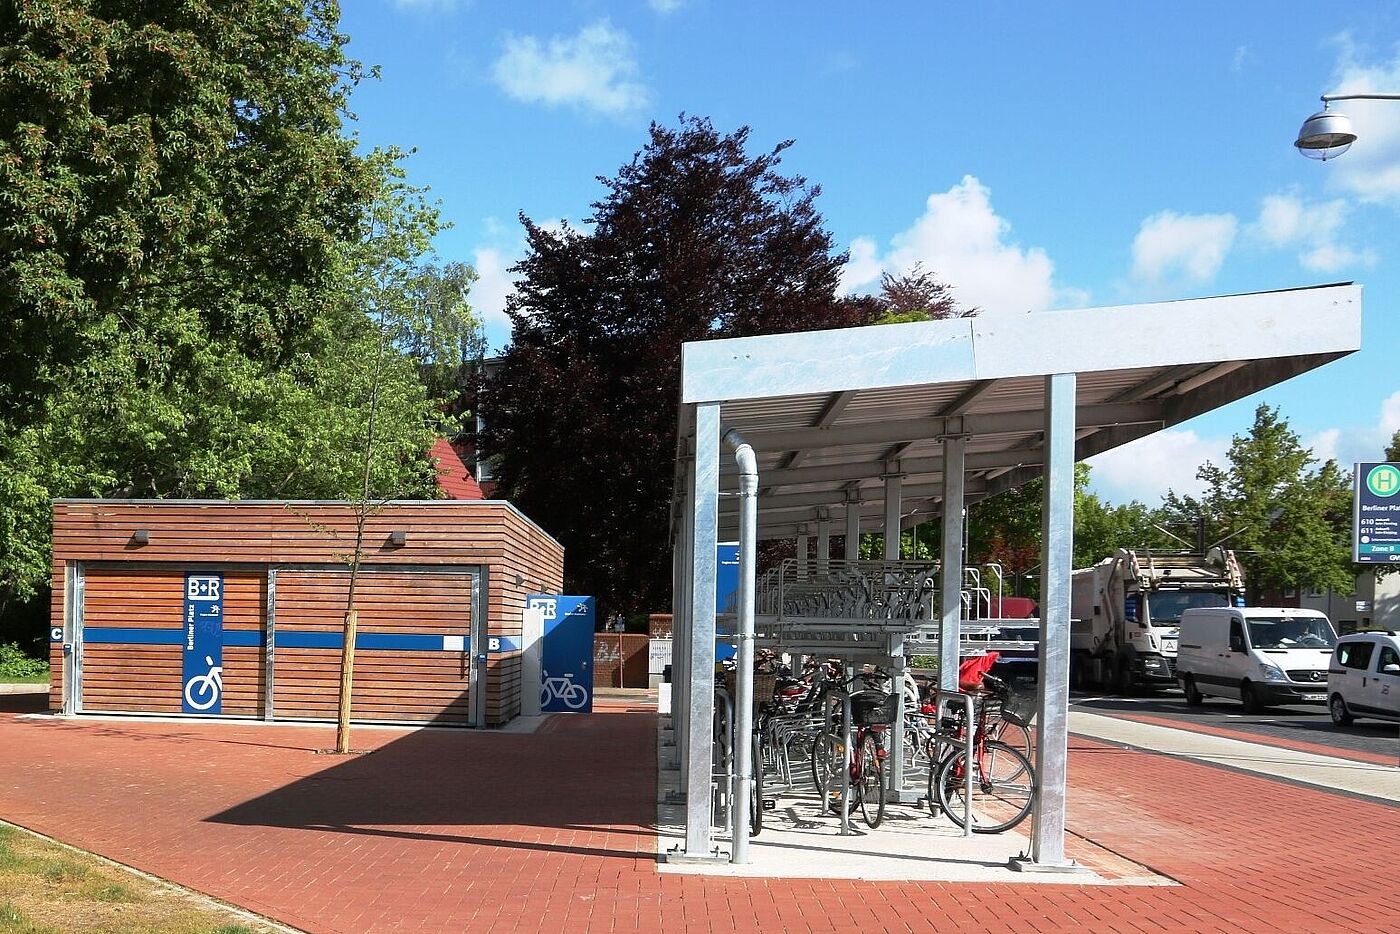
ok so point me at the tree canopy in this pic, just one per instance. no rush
(694, 238)
(1287, 515)
(196, 262)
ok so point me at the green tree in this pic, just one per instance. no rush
(1392, 450)
(694, 238)
(1006, 528)
(194, 260)
(1287, 515)
(162, 156)
(918, 295)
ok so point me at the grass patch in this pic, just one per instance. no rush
(46, 888)
(16, 667)
(114, 892)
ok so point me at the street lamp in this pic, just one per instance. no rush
(1327, 134)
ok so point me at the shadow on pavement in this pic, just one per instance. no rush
(24, 703)
(575, 775)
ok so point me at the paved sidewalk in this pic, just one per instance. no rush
(1331, 772)
(444, 830)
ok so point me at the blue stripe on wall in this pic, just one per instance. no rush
(390, 641)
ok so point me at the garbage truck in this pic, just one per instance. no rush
(1127, 608)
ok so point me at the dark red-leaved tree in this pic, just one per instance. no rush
(694, 238)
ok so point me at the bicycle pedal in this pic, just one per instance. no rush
(770, 804)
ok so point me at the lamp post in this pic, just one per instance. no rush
(1327, 134)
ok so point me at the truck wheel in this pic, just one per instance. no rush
(1249, 699)
(1078, 673)
(1194, 697)
(1123, 677)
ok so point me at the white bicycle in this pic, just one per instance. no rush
(574, 696)
(203, 691)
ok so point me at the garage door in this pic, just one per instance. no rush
(412, 658)
(132, 631)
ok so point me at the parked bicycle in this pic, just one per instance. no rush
(1000, 779)
(871, 714)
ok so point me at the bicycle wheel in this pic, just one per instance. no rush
(756, 797)
(943, 751)
(828, 755)
(1002, 787)
(871, 786)
(1013, 731)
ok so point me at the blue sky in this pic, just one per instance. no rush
(1033, 155)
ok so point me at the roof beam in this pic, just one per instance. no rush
(909, 466)
(918, 429)
(830, 412)
(958, 406)
(790, 501)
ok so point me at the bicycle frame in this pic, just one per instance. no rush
(966, 737)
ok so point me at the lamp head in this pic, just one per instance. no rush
(1325, 135)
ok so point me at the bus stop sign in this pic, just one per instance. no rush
(1376, 514)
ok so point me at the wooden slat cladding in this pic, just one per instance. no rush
(124, 678)
(311, 540)
(389, 685)
(148, 679)
(385, 600)
(438, 532)
(403, 685)
(538, 562)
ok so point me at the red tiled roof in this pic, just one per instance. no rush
(455, 481)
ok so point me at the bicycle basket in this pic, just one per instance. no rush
(1019, 705)
(872, 708)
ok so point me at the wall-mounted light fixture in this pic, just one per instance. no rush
(141, 537)
(398, 538)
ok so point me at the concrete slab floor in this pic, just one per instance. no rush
(799, 841)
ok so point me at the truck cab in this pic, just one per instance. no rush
(1127, 613)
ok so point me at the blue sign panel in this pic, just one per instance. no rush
(1130, 608)
(726, 595)
(203, 644)
(566, 656)
(1376, 514)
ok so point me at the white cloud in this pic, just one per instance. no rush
(1147, 468)
(1241, 56)
(593, 70)
(1370, 170)
(665, 6)
(961, 240)
(1188, 249)
(1325, 444)
(488, 295)
(1390, 415)
(1286, 221)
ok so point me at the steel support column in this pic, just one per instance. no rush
(951, 569)
(700, 703)
(1048, 827)
(893, 484)
(804, 551)
(852, 526)
(823, 542)
(681, 631)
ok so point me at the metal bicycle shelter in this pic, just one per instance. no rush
(886, 426)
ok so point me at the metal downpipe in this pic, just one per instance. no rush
(743, 675)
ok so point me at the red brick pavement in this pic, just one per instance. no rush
(1282, 742)
(459, 831)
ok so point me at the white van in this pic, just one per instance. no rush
(1261, 655)
(1364, 679)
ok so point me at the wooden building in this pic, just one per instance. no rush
(440, 595)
